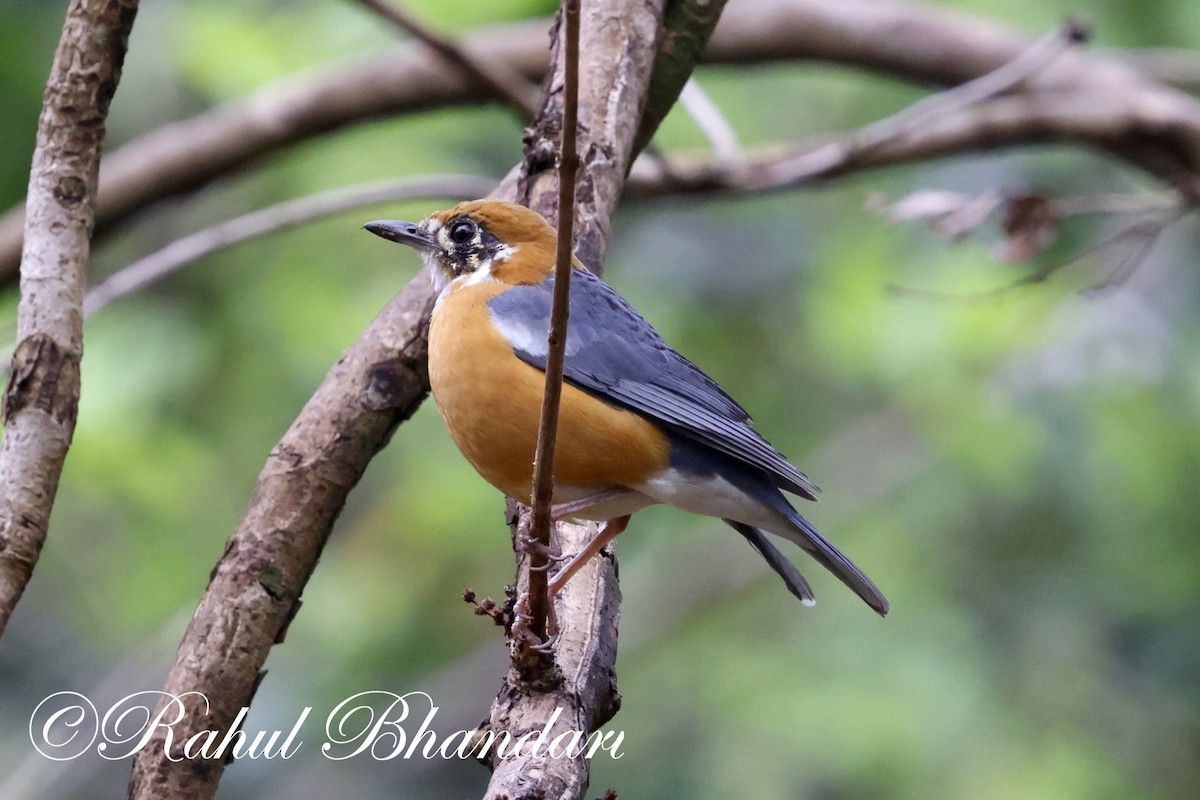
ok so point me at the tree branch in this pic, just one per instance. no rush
(501, 80)
(273, 219)
(42, 398)
(186, 155)
(955, 121)
(686, 31)
(255, 587)
(711, 122)
(617, 57)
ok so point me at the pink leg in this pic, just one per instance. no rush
(564, 510)
(609, 532)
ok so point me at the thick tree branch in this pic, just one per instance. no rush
(255, 587)
(42, 397)
(617, 56)
(687, 29)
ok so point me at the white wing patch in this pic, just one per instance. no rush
(521, 335)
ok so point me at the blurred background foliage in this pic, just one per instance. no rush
(1017, 471)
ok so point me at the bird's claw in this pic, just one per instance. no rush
(520, 631)
(535, 548)
(546, 647)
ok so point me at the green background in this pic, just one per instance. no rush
(1017, 472)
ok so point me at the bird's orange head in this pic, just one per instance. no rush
(480, 240)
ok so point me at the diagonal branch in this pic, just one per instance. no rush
(505, 83)
(191, 153)
(686, 31)
(1026, 64)
(254, 590)
(273, 219)
(42, 397)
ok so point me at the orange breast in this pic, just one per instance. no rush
(491, 403)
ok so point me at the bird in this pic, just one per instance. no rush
(639, 424)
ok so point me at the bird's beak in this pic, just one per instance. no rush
(409, 233)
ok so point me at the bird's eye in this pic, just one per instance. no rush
(462, 231)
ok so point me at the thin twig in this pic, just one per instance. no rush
(1036, 57)
(1131, 244)
(721, 136)
(41, 401)
(1178, 67)
(543, 462)
(1032, 60)
(273, 219)
(502, 80)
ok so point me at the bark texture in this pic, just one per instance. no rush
(255, 588)
(41, 400)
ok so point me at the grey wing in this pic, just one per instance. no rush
(615, 354)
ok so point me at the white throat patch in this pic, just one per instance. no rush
(444, 283)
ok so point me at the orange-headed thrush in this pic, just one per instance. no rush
(639, 423)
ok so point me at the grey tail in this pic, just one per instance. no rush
(786, 569)
(820, 548)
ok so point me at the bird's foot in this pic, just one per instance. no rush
(521, 631)
(539, 552)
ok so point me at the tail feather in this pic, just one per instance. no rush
(810, 539)
(785, 568)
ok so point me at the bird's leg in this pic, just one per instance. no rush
(609, 532)
(564, 510)
(560, 512)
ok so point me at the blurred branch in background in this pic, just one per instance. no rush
(721, 136)
(1030, 222)
(186, 155)
(506, 84)
(1085, 98)
(275, 219)
(1179, 68)
(41, 401)
(958, 120)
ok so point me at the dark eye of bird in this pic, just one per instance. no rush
(462, 231)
